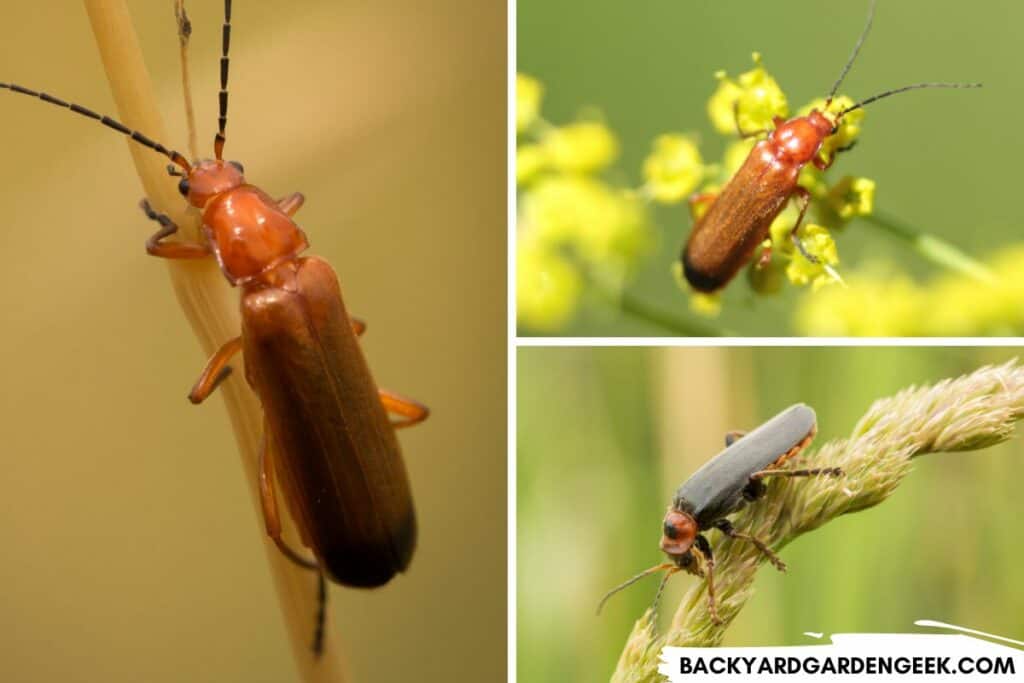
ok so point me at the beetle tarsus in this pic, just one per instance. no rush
(216, 371)
(268, 501)
(411, 412)
(704, 548)
(816, 472)
(155, 246)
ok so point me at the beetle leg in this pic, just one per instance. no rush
(733, 437)
(292, 203)
(804, 197)
(155, 246)
(744, 134)
(268, 501)
(823, 164)
(358, 326)
(820, 471)
(216, 371)
(725, 526)
(704, 548)
(754, 489)
(410, 411)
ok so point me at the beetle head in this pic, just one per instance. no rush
(208, 178)
(678, 532)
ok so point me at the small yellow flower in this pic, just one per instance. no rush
(529, 93)
(673, 169)
(754, 99)
(548, 288)
(607, 228)
(817, 242)
(851, 197)
(707, 305)
(720, 106)
(879, 304)
(582, 147)
(530, 161)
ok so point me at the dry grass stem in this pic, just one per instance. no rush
(211, 307)
(956, 415)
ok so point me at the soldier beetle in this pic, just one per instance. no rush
(739, 217)
(327, 434)
(722, 486)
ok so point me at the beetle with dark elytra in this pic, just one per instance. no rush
(724, 485)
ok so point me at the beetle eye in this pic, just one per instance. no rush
(670, 531)
(238, 165)
(183, 187)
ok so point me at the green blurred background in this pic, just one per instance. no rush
(945, 161)
(131, 549)
(606, 435)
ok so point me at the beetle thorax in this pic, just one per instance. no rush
(249, 234)
(798, 140)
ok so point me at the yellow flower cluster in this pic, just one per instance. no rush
(883, 303)
(572, 226)
(750, 103)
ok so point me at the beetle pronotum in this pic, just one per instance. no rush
(721, 487)
(739, 217)
(327, 434)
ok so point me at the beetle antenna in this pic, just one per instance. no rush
(853, 55)
(625, 584)
(222, 120)
(661, 589)
(135, 135)
(916, 86)
(184, 34)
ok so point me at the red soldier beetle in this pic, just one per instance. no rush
(739, 217)
(327, 434)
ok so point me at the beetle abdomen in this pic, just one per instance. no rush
(334, 448)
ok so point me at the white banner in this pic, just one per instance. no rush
(909, 657)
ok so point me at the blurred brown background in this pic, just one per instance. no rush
(131, 549)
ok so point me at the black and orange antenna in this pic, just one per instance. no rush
(135, 135)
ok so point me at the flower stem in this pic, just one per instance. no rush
(932, 248)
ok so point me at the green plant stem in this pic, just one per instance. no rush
(932, 248)
(633, 305)
(955, 415)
